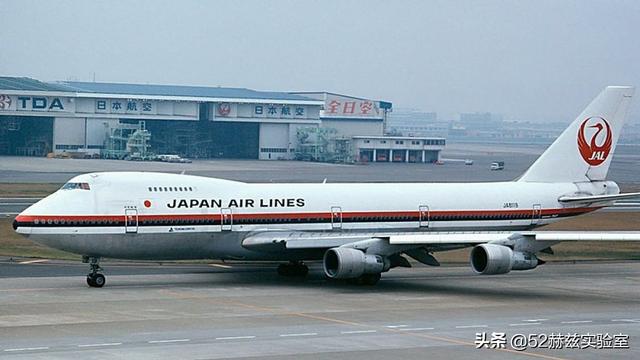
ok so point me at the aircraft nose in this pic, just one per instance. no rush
(18, 221)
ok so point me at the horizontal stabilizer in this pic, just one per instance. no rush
(598, 198)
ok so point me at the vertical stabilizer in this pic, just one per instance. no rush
(584, 150)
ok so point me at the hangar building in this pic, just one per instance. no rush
(202, 122)
(93, 119)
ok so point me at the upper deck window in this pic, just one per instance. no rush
(71, 186)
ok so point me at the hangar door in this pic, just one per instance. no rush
(234, 140)
(26, 135)
(274, 141)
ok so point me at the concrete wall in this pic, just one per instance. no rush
(349, 128)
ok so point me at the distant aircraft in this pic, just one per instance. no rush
(358, 230)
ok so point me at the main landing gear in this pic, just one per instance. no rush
(293, 269)
(94, 278)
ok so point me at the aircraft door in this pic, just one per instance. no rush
(130, 221)
(424, 216)
(537, 214)
(336, 217)
(226, 219)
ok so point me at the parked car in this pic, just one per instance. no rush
(497, 165)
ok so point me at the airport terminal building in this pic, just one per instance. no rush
(113, 119)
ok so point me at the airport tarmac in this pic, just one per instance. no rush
(244, 311)
(517, 158)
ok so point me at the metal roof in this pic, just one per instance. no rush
(151, 90)
(177, 90)
(28, 84)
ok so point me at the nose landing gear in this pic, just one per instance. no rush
(94, 278)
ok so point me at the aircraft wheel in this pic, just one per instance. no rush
(96, 280)
(99, 280)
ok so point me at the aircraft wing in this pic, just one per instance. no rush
(300, 240)
(479, 238)
(598, 198)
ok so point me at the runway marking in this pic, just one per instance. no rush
(471, 326)
(301, 334)
(396, 326)
(235, 337)
(168, 341)
(221, 266)
(577, 322)
(627, 320)
(33, 261)
(28, 349)
(99, 345)
(525, 324)
(417, 329)
(358, 332)
(535, 320)
(449, 340)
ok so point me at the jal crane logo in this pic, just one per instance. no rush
(592, 153)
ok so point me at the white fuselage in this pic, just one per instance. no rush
(168, 216)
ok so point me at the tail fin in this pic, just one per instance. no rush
(583, 151)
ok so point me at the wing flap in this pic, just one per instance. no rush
(447, 238)
(298, 240)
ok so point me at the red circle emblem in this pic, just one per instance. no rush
(224, 109)
(592, 153)
(147, 203)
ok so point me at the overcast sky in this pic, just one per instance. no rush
(530, 60)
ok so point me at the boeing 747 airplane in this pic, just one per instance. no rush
(359, 231)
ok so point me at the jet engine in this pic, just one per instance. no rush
(348, 263)
(491, 259)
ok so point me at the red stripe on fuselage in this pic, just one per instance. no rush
(305, 215)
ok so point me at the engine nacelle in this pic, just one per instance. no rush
(491, 259)
(348, 263)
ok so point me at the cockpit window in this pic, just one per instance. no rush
(71, 186)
